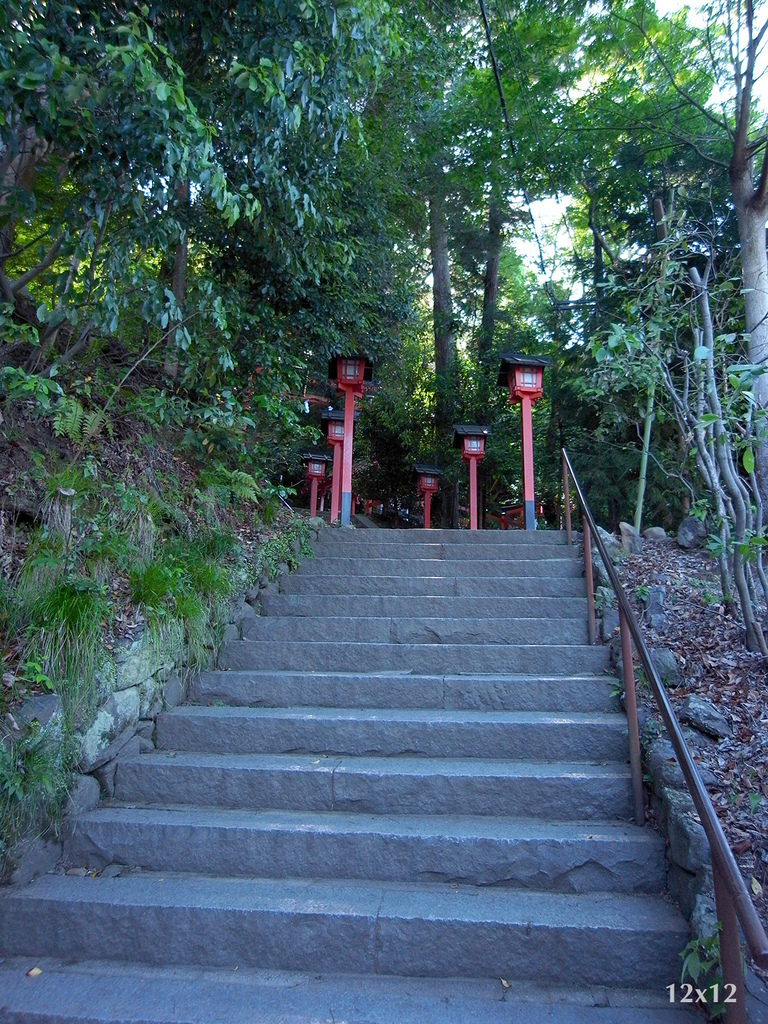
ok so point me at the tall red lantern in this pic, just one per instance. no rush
(350, 374)
(524, 376)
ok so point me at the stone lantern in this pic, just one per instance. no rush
(316, 462)
(523, 375)
(350, 374)
(427, 485)
(471, 439)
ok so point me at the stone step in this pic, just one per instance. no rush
(518, 853)
(537, 736)
(506, 555)
(430, 607)
(459, 538)
(547, 568)
(417, 630)
(361, 927)
(558, 791)
(405, 690)
(99, 992)
(324, 656)
(324, 583)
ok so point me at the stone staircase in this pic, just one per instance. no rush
(404, 798)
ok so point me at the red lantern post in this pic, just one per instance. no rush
(523, 375)
(471, 439)
(315, 473)
(427, 485)
(350, 372)
(333, 424)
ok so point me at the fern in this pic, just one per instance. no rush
(70, 420)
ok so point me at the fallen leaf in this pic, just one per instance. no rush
(757, 889)
(504, 982)
(33, 973)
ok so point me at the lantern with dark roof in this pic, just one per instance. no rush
(316, 462)
(350, 373)
(427, 485)
(470, 438)
(524, 375)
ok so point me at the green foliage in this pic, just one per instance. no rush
(34, 773)
(288, 548)
(701, 963)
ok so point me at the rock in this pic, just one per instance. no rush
(704, 918)
(230, 634)
(114, 724)
(655, 533)
(612, 545)
(139, 662)
(145, 746)
(84, 795)
(149, 694)
(45, 709)
(36, 857)
(316, 523)
(691, 533)
(248, 612)
(705, 717)
(600, 577)
(688, 843)
(631, 540)
(252, 595)
(105, 775)
(666, 665)
(665, 770)
(609, 624)
(172, 691)
(146, 728)
(757, 998)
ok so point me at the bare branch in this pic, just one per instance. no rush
(33, 272)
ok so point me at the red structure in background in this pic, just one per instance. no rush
(316, 462)
(427, 485)
(524, 375)
(350, 373)
(470, 437)
(333, 425)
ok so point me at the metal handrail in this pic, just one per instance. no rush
(731, 895)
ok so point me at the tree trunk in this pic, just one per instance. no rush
(441, 286)
(178, 277)
(491, 284)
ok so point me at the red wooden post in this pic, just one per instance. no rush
(473, 493)
(315, 473)
(349, 372)
(336, 482)
(526, 430)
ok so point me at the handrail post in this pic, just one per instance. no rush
(630, 703)
(590, 581)
(730, 952)
(567, 501)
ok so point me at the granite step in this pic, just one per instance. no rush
(325, 656)
(114, 992)
(417, 630)
(432, 584)
(405, 690)
(403, 606)
(380, 565)
(535, 735)
(557, 791)
(361, 927)
(514, 852)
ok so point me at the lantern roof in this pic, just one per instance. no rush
(333, 365)
(336, 415)
(422, 469)
(509, 359)
(317, 455)
(468, 430)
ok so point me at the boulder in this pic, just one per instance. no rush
(44, 709)
(172, 691)
(138, 662)
(666, 665)
(688, 843)
(655, 533)
(316, 523)
(704, 922)
(36, 857)
(84, 795)
(631, 540)
(610, 623)
(654, 601)
(691, 533)
(113, 726)
(612, 545)
(705, 717)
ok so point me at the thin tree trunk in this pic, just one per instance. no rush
(491, 283)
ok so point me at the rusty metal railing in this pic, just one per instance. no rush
(734, 904)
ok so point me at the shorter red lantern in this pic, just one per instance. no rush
(427, 485)
(471, 439)
(316, 462)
